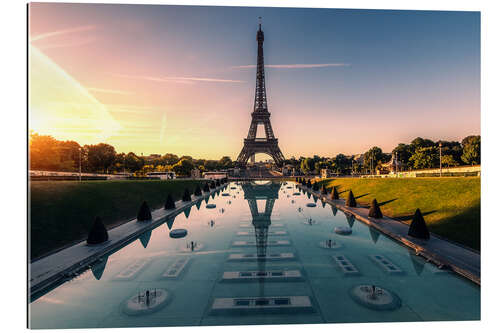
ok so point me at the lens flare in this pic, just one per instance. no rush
(60, 106)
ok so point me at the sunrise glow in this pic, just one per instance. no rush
(181, 79)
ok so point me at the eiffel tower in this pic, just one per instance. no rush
(260, 115)
(261, 221)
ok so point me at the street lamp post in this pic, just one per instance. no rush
(371, 165)
(396, 163)
(440, 166)
(80, 164)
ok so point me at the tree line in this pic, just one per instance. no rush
(418, 154)
(47, 153)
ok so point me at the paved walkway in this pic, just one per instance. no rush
(55, 268)
(443, 253)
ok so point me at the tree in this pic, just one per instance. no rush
(472, 149)
(133, 162)
(210, 165)
(453, 148)
(342, 163)
(293, 162)
(307, 165)
(421, 143)
(147, 169)
(119, 165)
(321, 165)
(225, 162)
(170, 159)
(183, 167)
(372, 158)
(425, 158)
(356, 167)
(69, 153)
(101, 156)
(403, 152)
(44, 152)
(448, 160)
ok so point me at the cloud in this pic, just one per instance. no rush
(295, 66)
(78, 42)
(109, 91)
(179, 79)
(205, 79)
(62, 32)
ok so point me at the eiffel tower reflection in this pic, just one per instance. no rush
(261, 221)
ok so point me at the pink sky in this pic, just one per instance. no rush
(132, 78)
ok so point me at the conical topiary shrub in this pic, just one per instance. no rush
(351, 201)
(217, 183)
(144, 212)
(169, 203)
(335, 194)
(375, 211)
(212, 184)
(197, 190)
(323, 190)
(206, 188)
(315, 186)
(98, 233)
(187, 195)
(418, 228)
(309, 185)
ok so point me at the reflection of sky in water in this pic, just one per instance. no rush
(426, 293)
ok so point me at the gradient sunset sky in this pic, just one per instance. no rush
(181, 79)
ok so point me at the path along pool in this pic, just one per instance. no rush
(261, 256)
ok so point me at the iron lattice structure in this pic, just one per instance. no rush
(260, 115)
(261, 221)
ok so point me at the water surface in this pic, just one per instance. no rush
(257, 219)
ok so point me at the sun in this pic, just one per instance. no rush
(60, 106)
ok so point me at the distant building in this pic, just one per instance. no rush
(215, 174)
(358, 158)
(392, 166)
(233, 172)
(195, 173)
(327, 173)
(162, 174)
(288, 170)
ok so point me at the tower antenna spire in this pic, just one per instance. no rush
(260, 22)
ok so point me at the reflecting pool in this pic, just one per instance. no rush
(261, 255)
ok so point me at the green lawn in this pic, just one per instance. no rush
(62, 212)
(451, 206)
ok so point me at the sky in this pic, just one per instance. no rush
(156, 79)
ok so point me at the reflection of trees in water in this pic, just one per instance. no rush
(350, 219)
(144, 238)
(98, 268)
(374, 234)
